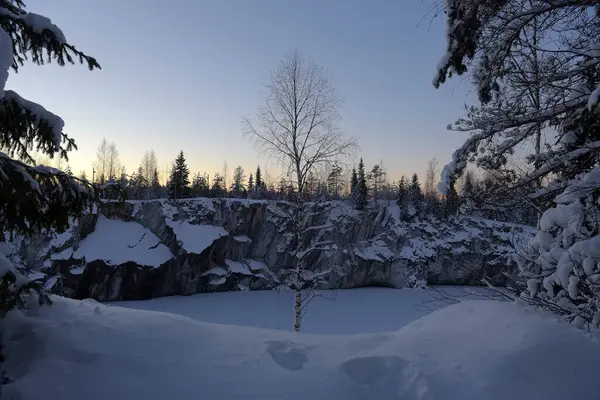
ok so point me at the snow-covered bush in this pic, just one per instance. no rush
(561, 264)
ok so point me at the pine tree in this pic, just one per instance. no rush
(200, 186)
(140, 184)
(218, 186)
(376, 179)
(179, 181)
(83, 175)
(38, 199)
(362, 190)
(238, 189)
(335, 181)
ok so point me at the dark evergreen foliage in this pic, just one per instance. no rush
(35, 199)
(362, 192)
(179, 181)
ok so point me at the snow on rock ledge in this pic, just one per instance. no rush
(117, 242)
(470, 351)
(248, 239)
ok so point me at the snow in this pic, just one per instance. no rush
(215, 271)
(39, 23)
(217, 281)
(7, 266)
(6, 59)
(117, 242)
(242, 239)
(238, 267)
(256, 265)
(196, 238)
(594, 98)
(376, 252)
(454, 167)
(40, 113)
(469, 351)
(77, 270)
(347, 311)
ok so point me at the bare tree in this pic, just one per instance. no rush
(298, 122)
(112, 162)
(429, 187)
(101, 160)
(149, 164)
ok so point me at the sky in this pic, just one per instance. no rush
(181, 75)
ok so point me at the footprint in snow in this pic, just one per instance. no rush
(387, 377)
(290, 356)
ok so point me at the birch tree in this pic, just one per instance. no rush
(101, 160)
(304, 240)
(298, 122)
(112, 162)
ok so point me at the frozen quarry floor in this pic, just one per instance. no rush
(361, 344)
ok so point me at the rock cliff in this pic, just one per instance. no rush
(144, 249)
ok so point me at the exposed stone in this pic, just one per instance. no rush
(369, 248)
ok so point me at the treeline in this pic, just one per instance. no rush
(481, 195)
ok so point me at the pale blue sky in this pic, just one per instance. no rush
(181, 74)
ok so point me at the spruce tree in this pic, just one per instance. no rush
(33, 199)
(451, 202)
(353, 184)
(179, 181)
(140, 184)
(250, 183)
(123, 178)
(363, 190)
(402, 197)
(415, 194)
(258, 182)
(155, 184)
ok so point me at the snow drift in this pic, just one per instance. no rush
(474, 350)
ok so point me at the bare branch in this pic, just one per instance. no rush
(297, 123)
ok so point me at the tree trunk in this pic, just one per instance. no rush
(300, 179)
(298, 318)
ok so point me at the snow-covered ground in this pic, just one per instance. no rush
(475, 350)
(333, 312)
